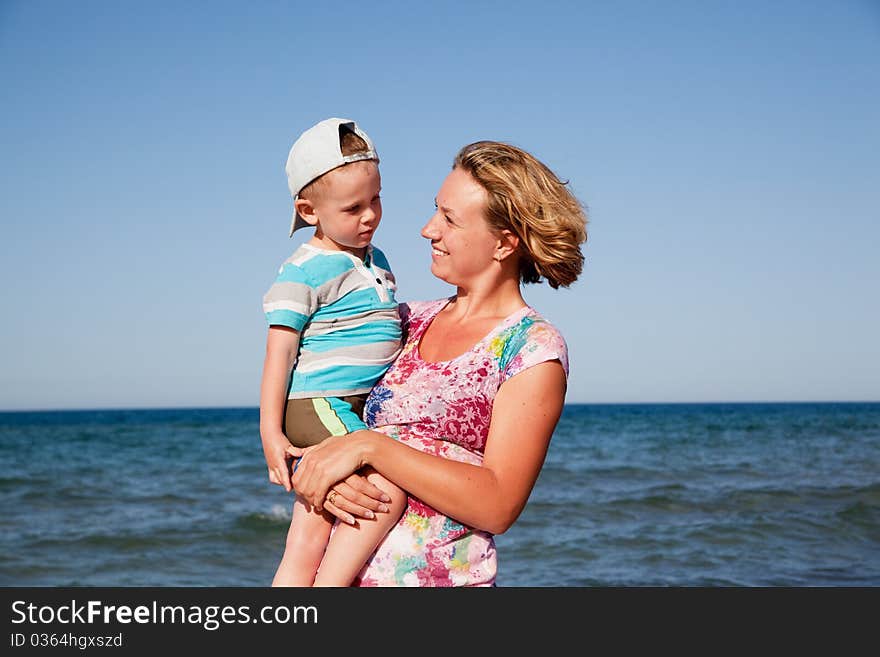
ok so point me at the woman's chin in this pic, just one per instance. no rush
(440, 272)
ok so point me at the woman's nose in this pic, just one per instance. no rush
(429, 230)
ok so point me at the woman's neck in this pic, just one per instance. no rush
(499, 299)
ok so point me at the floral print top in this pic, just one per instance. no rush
(445, 408)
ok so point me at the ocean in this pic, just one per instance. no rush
(672, 495)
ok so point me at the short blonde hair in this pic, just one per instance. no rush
(528, 199)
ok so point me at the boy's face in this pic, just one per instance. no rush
(347, 209)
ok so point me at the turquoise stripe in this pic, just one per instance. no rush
(292, 274)
(326, 267)
(286, 318)
(339, 377)
(379, 260)
(329, 416)
(345, 414)
(356, 336)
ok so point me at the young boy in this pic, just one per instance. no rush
(333, 324)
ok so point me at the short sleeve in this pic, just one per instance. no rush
(531, 343)
(292, 299)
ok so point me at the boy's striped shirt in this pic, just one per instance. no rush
(347, 316)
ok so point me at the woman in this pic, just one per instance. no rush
(463, 419)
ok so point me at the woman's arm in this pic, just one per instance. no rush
(489, 496)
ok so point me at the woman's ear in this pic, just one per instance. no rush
(306, 210)
(508, 243)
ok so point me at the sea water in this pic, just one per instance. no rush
(630, 495)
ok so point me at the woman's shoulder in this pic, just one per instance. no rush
(530, 324)
(538, 325)
(530, 338)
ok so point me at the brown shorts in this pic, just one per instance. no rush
(309, 421)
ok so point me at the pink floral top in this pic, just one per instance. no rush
(444, 408)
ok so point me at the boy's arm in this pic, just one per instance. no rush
(281, 349)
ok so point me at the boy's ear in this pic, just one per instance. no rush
(508, 243)
(306, 210)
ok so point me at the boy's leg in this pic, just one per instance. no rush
(304, 548)
(351, 545)
(306, 422)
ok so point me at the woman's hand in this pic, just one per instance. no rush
(325, 465)
(355, 497)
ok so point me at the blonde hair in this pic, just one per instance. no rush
(349, 144)
(528, 199)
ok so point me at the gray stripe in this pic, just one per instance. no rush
(338, 287)
(322, 326)
(288, 291)
(350, 281)
(379, 351)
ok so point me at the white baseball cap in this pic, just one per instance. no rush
(318, 151)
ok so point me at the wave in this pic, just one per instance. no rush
(276, 519)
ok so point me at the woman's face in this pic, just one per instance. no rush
(462, 246)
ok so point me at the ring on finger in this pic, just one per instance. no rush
(331, 497)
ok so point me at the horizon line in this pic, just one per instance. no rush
(96, 409)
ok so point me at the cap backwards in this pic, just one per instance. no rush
(317, 151)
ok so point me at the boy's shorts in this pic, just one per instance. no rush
(309, 421)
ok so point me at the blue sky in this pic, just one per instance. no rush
(728, 154)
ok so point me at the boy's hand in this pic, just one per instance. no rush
(279, 453)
